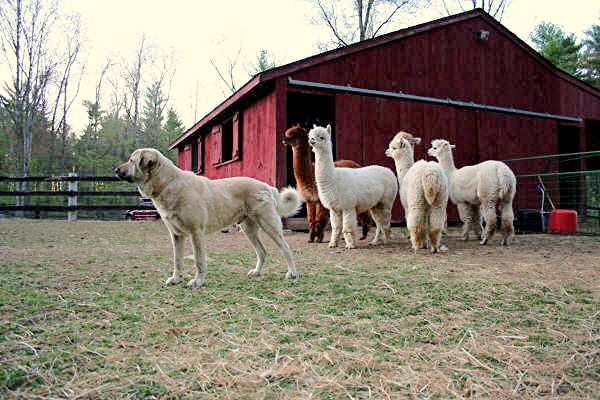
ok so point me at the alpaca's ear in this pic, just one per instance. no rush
(452, 146)
(416, 140)
(314, 126)
(329, 128)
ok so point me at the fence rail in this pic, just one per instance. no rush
(105, 196)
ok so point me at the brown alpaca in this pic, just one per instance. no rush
(304, 171)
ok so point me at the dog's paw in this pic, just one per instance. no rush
(332, 245)
(289, 275)
(195, 282)
(254, 272)
(174, 280)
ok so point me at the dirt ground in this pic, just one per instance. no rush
(529, 257)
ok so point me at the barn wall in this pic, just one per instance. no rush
(452, 63)
(257, 145)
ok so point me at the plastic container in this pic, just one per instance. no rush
(562, 221)
(529, 220)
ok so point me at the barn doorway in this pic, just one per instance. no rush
(592, 143)
(307, 109)
(569, 139)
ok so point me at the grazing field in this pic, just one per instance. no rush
(85, 314)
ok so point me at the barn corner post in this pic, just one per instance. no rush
(72, 198)
(280, 170)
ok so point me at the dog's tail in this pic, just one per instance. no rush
(288, 201)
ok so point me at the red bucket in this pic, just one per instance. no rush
(562, 221)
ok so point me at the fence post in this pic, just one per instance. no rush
(72, 200)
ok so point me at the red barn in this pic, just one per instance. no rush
(465, 78)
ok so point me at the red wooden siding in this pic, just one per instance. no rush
(453, 63)
(257, 158)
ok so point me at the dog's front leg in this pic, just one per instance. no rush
(199, 259)
(178, 247)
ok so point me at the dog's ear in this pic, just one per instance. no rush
(147, 160)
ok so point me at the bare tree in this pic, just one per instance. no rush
(226, 70)
(94, 113)
(25, 29)
(133, 90)
(493, 7)
(72, 39)
(357, 20)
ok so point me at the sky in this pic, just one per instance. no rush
(198, 31)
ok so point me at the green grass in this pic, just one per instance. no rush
(92, 318)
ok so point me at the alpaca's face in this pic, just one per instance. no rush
(439, 147)
(319, 137)
(295, 136)
(399, 148)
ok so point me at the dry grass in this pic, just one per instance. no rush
(85, 315)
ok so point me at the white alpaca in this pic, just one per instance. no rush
(479, 188)
(348, 191)
(423, 193)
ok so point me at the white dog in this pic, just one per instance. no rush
(192, 205)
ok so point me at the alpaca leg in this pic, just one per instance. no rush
(489, 212)
(375, 216)
(507, 222)
(349, 227)
(382, 219)
(336, 227)
(386, 224)
(477, 224)
(414, 223)
(437, 220)
(320, 221)
(366, 226)
(364, 220)
(310, 215)
(464, 213)
(425, 240)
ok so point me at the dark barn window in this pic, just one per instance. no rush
(227, 141)
(195, 156)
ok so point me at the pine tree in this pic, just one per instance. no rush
(557, 47)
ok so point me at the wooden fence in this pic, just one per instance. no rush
(72, 194)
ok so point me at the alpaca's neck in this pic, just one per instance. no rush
(403, 165)
(303, 169)
(324, 167)
(447, 164)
